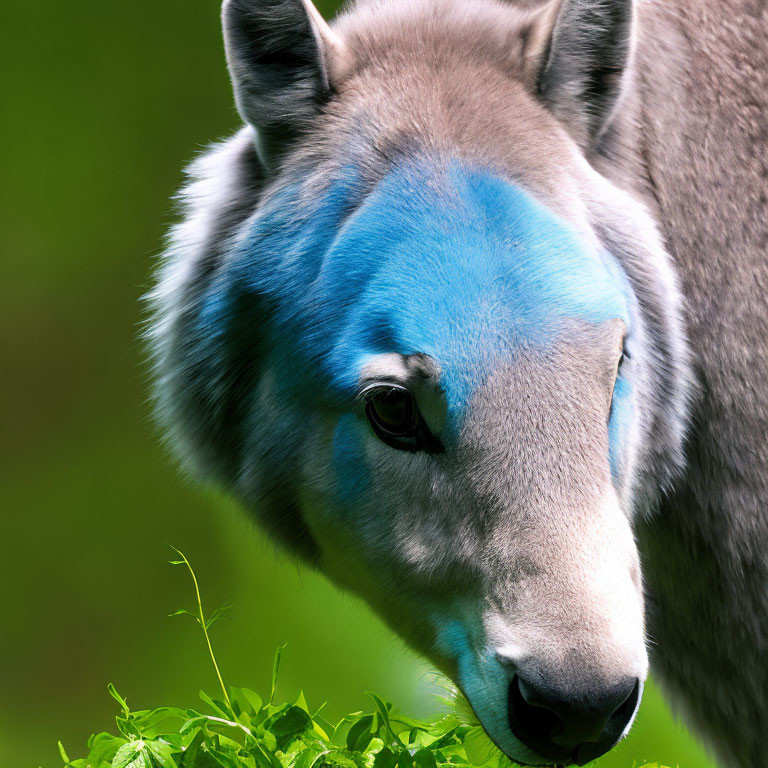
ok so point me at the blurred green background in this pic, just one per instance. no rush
(103, 104)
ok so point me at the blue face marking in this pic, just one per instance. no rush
(618, 424)
(351, 475)
(463, 266)
(454, 261)
(451, 637)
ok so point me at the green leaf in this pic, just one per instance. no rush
(424, 759)
(183, 557)
(177, 742)
(478, 746)
(317, 727)
(253, 699)
(339, 759)
(275, 670)
(310, 756)
(384, 712)
(232, 730)
(222, 758)
(63, 754)
(161, 754)
(218, 706)
(195, 755)
(401, 723)
(301, 702)
(289, 724)
(239, 703)
(360, 734)
(218, 614)
(118, 698)
(185, 612)
(149, 721)
(445, 739)
(194, 722)
(102, 748)
(127, 727)
(385, 759)
(269, 740)
(134, 754)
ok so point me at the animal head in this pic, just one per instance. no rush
(433, 350)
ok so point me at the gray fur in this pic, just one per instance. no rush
(669, 141)
(587, 60)
(278, 71)
(692, 139)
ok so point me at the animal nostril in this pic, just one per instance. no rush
(570, 728)
(535, 725)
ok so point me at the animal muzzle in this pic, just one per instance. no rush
(570, 694)
(556, 676)
(567, 725)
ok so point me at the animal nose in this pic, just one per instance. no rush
(570, 727)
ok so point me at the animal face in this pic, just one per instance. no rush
(415, 339)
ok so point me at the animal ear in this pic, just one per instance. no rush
(585, 64)
(281, 56)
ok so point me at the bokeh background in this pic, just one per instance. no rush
(102, 105)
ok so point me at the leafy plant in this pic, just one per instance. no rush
(245, 731)
(199, 617)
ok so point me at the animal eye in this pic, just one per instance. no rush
(393, 416)
(396, 420)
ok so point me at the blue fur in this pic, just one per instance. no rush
(463, 266)
(618, 425)
(454, 261)
(351, 476)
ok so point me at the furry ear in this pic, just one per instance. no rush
(281, 56)
(585, 64)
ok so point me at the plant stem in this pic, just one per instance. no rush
(204, 627)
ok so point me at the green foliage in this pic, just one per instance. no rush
(244, 731)
(252, 733)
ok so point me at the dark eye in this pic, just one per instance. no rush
(392, 411)
(396, 420)
(624, 358)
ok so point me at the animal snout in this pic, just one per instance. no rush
(566, 724)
